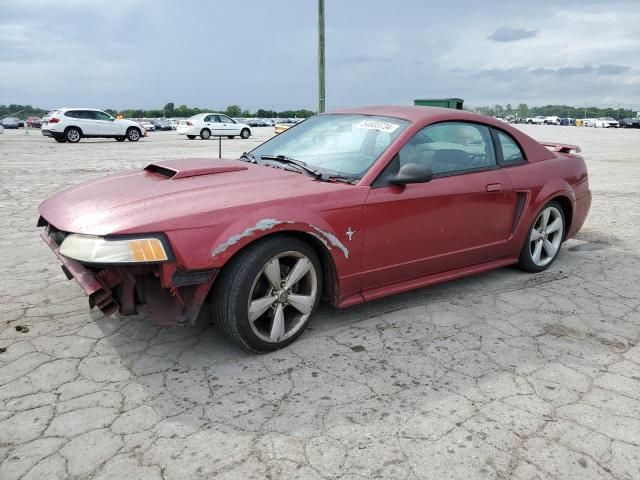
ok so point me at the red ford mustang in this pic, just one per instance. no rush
(350, 206)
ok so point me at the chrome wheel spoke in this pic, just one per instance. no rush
(545, 218)
(554, 226)
(299, 270)
(537, 252)
(260, 305)
(549, 248)
(302, 303)
(272, 273)
(535, 235)
(277, 327)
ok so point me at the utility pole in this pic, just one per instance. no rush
(320, 56)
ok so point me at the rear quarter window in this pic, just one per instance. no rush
(511, 151)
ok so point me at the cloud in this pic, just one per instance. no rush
(513, 73)
(609, 69)
(508, 34)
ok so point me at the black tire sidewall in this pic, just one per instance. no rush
(245, 133)
(239, 281)
(525, 261)
(205, 134)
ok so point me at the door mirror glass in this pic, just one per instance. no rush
(412, 173)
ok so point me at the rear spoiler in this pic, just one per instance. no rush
(561, 147)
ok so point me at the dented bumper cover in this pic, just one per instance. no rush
(171, 296)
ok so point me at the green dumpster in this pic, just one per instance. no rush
(440, 102)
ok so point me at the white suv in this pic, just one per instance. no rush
(72, 124)
(206, 125)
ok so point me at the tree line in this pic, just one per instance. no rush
(565, 111)
(170, 110)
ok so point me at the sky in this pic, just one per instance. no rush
(263, 54)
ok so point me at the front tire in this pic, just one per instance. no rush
(266, 296)
(205, 134)
(133, 134)
(544, 239)
(72, 135)
(245, 133)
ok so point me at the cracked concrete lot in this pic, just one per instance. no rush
(500, 375)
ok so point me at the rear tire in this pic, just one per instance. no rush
(245, 133)
(61, 140)
(72, 135)
(205, 134)
(231, 136)
(253, 301)
(121, 139)
(133, 134)
(544, 239)
(191, 137)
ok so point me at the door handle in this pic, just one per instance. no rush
(494, 187)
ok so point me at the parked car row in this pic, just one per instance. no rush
(72, 124)
(602, 122)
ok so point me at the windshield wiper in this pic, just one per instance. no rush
(248, 157)
(340, 178)
(292, 161)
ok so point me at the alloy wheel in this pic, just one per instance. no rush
(282, 296)
(546, 236)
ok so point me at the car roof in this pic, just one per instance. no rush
(77, 108)
(416, 113)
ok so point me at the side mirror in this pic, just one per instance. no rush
(412, 173)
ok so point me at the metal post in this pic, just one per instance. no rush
(320, 56)
(219, 146)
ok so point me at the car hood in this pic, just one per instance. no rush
(179, 194)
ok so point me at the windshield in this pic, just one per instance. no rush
(343, 144)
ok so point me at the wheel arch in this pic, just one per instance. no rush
(73, 126)
(567, 210)
(330, 284)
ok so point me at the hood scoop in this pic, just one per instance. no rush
(186, 168)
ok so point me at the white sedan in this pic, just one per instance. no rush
(206, 125)
(606, 122)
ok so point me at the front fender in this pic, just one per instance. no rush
(253, 227)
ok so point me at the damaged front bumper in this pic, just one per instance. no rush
(171, 296)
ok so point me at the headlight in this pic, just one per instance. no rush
(91, 249)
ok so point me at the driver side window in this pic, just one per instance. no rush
(446, 148)
(451, 147)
